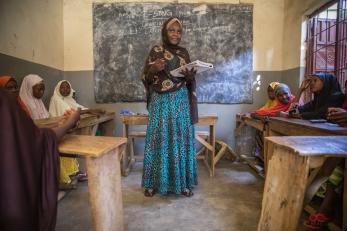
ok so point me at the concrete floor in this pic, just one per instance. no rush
(229, 201)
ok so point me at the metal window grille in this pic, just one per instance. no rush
(327, 41)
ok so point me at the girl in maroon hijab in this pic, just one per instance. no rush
(28, 169)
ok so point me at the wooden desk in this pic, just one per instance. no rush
(278, 126)
(208, 120)
(288, 175)
(104, 182)
(246, 137)
(88, 124)
(246, 119)
(298, 127)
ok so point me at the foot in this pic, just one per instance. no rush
(81, 177)
(188, 193)
(61, 195)
(149, 192)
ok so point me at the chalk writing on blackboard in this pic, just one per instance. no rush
(216, 33)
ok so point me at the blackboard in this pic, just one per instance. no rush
(218, 33)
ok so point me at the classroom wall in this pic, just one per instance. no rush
(66, 49)
(31, 39)
(267, 59)
(295, 14)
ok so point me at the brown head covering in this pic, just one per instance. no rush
(163, 81)
(28, 171)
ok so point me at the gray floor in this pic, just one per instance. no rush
(229, 201)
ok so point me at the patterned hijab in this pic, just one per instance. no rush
(59, 104)
(279, 107)
(36, 107)
(273, 85)
(163, 81)
(175, 57)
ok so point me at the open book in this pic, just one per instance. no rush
(199, 66)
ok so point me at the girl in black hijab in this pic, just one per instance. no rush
(327, 93)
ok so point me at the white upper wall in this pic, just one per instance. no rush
(268, 18)
(33, 30)
(296, 12)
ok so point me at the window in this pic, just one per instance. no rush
(327, 41)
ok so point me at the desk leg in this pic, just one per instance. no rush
(213, 143)
(108, 128)
(125, 170)
(266, 146)
(344, 214)
(284, 191)
(105, 191)
(268, 151)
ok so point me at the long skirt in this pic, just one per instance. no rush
(169, 156)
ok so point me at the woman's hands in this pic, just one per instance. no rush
(188, 74)
(157, 65)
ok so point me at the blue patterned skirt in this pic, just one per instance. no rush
(169, 156)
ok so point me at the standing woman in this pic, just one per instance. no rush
(31, 93)
(169, 163)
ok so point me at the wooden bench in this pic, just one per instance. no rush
(103, 155)
(204, 120)
(287, 178)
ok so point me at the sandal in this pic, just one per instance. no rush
(81, 177)
(187, 193)
(149, 192)
(317, 221)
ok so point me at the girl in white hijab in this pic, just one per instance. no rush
(62, 100)
(31, 93)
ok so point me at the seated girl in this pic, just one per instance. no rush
(62, 99)
(271, 94)
(331, 190)
(327, 93)
(284, 98)
(31, 93)
(339, 115)
(10, 84)
(61, 102)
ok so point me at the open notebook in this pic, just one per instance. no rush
(198, 65)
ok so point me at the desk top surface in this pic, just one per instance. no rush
(313, 145)
(86, 120)
(89, 146)
(333, 128)
(204, 119)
